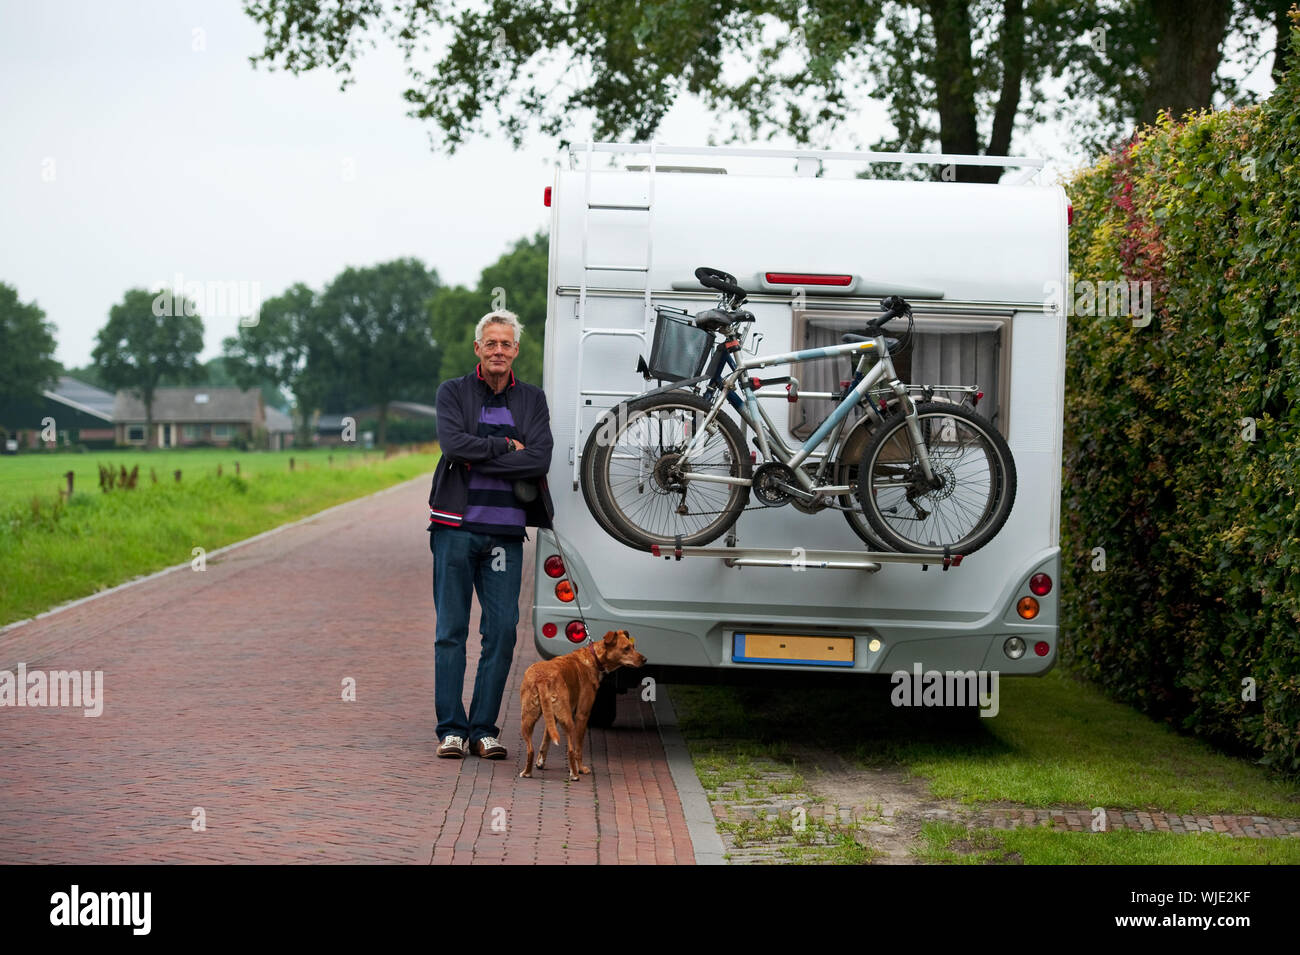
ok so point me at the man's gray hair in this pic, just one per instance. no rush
(499, 317)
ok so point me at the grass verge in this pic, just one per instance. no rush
(950, 844)
(53, 551)
(1055, 742)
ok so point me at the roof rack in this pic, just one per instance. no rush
(1029, 166)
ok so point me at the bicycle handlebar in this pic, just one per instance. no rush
(894, 306)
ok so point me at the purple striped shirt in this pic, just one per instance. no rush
(492, 507)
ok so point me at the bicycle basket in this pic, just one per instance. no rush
(679, 348)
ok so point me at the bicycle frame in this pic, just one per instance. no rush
(756, 418)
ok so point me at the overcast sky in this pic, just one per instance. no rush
(138, 145)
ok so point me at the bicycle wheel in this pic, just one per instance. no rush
(850, 456)
(638, 483)
(586, 476)
(846, 473)
(974, 468)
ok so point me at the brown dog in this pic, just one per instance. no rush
(564, 690)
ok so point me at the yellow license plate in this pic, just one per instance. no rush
(792, 648)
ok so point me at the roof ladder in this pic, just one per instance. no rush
(584, 331)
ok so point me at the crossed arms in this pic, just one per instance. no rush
(492, 456)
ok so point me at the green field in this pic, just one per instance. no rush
(25, 475)
(53, 551)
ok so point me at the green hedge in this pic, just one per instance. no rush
(1201, 527)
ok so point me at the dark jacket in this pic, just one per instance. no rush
(460, 400)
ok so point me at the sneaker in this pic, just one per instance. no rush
(453, 747)
(489, 748)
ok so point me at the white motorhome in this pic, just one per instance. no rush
(630, 223)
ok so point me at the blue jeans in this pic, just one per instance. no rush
(465, 562)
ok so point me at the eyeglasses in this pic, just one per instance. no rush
(497, 346)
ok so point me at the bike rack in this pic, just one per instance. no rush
(869, 561)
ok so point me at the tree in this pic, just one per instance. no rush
(957, 73)
(1250, 20)
(376, 323)
(1187, 55)
(27, 365)
(150, 337)
(288, 347)
(1145, 56)
(515, 281)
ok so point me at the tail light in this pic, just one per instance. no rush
(1040, 584)
(1042, 648)
(546, 196)
(564, 590)
(1027, 607)
(549, 630)
(554, 566)
(575, 631)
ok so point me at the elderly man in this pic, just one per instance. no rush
(495, 433)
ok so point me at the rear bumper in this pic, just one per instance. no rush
(698, 642)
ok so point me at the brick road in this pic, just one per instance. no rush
(223, 692)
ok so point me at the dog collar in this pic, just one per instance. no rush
(595, 659)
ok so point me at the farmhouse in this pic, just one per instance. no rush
(74, 412)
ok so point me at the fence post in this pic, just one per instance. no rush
(178, 476)
(69, 477)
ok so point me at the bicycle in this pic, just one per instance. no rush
(671, 466)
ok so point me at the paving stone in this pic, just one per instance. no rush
(223, 689)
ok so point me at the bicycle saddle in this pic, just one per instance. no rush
(890, 343)
(716, 319)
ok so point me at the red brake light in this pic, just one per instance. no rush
(1069, 214)
(807, 278)
(554, 566)
(549, 630)
(1040, 584)
(546, 196)
(575, 631)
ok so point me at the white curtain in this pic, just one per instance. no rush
(932, 358)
